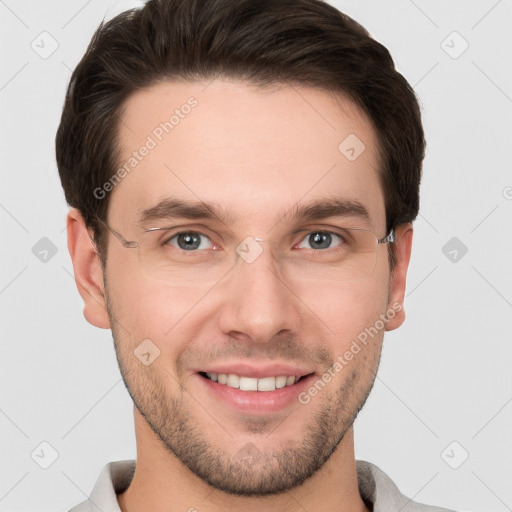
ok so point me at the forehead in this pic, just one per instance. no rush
(254, 152)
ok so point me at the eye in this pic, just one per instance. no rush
(320, 240)
(189, 241)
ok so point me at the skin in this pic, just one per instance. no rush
(256, 151)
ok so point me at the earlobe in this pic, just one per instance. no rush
(87, 270)
(403, 245)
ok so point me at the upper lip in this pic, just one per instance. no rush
(258, 371)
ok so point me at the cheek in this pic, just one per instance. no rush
(148, 307)
(333, 314)
(345, 309)
(154, 309)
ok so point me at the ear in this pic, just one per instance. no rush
(403, 245)
(87, 269)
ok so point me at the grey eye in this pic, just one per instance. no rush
(189, 241)
(320, 239)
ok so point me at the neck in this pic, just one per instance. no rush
(162, 483)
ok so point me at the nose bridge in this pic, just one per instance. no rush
(260, 303)
(257, 258)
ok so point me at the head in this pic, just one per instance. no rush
(249, 107)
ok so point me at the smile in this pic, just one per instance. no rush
(251, 383)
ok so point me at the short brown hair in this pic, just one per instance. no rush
(265, 42)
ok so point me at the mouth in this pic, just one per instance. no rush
(245, 383)
(255, 391)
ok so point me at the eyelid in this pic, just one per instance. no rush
(334, 230)
(176, 230)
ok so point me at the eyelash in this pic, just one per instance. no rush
(166, 241)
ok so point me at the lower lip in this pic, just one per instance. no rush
(257, 402)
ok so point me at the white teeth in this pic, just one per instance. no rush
(252, 383)
(233, 380)
(248, 384)
(280, 382)
(267, 384)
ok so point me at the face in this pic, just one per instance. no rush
(185, 307)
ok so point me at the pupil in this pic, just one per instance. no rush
(188, 241)
(324, 239)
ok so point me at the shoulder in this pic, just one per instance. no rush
(377, 489)
(114, 478)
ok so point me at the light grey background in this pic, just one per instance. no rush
(445, 374)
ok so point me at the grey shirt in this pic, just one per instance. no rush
(376, 488)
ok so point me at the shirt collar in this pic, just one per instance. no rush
(375, 487)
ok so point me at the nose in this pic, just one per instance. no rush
(259, 304)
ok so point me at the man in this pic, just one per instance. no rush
(243, 178)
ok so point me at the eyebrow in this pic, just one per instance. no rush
(172, 208)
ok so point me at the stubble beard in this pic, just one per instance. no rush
(251, 471)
